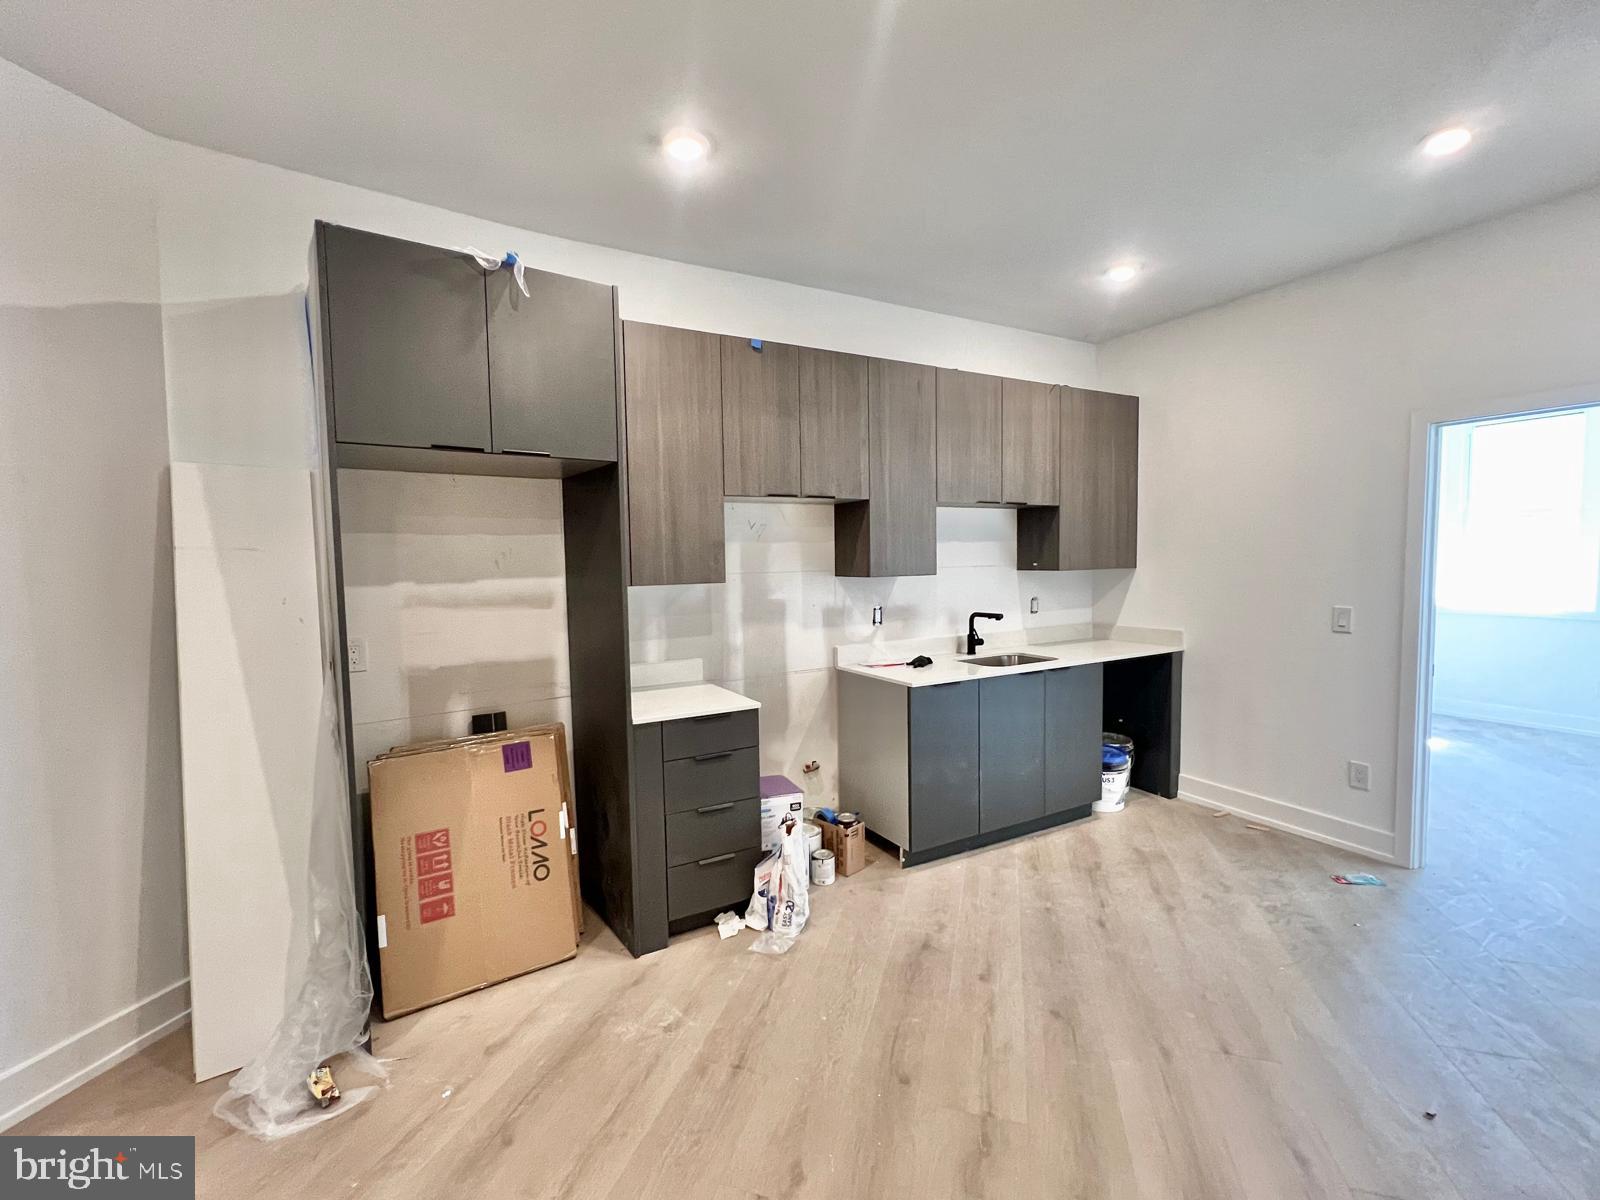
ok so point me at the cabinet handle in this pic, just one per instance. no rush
(709, 717)
(711, 862)
(448, 446)
(527, 453)
(785, 495)
(710, 757)
(711, 808)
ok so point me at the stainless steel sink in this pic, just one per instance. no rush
(1008, 660)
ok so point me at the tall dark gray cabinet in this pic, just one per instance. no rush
(429, 363)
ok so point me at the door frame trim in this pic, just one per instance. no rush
(1416, 630)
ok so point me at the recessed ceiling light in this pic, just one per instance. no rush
(1447, 141)
(686, 145)
(1121, 273)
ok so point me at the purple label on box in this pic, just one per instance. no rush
(517, 756)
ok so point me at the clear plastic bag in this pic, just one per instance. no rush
(788, 893)
(268, 1096)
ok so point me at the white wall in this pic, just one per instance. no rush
(91, 942)
(1542, 671)
(1273, 484)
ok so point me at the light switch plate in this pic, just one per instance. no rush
(1344, 618)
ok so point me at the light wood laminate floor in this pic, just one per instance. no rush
(1158, 1004)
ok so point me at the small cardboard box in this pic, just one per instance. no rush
(473, 856)
(847, 844)
(780, 800)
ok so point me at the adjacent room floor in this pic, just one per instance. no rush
(1157, 1004)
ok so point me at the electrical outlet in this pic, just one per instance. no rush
(1033, 604)
(358, 654)
(1344, 618)
(1360, 775)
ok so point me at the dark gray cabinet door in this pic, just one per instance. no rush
(1010, 750)
(553, 366)
(1099, 480)
(1072, 704)
(894, 532)
(833, 425)
(943, 754)
(407, 345)
(649, 861)
(969, 438)
(760, 419)
(674, 406)
(1031, 443)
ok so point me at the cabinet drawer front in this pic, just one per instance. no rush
(711, 779)
(719, 881)
(708, 735)
(713, 829)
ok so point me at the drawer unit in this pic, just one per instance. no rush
(715, 882)
(697, 784)
(711, 778)
(713, 829)
(709, 735)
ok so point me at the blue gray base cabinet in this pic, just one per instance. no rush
(944, 768)
(697, 810)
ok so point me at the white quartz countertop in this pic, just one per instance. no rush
(949, 668)
(688, 700)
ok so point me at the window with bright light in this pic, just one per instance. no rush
(1519, 516)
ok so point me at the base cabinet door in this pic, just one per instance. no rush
(943, 764)
(1010, 766)
(1072, 705)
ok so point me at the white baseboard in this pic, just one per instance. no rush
(1515, 714)
(51, 1074)
(1291, 818)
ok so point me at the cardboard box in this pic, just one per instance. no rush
(780, 800)
(474, 862)
(849, 845)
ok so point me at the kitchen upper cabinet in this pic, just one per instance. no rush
(969, 438)
(760, 418)
(942, 755)
(893, 532)
(834, 438)
(1030, 443)
(553, 366)
(1096, 526)
(674, 414)
(407, 346)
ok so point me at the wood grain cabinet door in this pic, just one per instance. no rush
(553, 366)
(1099, 480)
(969, 423)
(674, 416)
(834, 439)
(760, 418)
(895, 531)
(1030, 451)
(407, 346)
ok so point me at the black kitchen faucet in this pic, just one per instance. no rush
(973, 640)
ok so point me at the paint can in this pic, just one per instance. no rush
(813, 833)
(847, 819)
(822, 867)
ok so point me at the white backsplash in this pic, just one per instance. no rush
(456, 584)
(770, 631)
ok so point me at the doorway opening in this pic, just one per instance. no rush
(1507, 753)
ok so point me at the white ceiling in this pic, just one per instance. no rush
(986, 158)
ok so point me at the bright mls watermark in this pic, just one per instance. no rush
(137, 1168)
